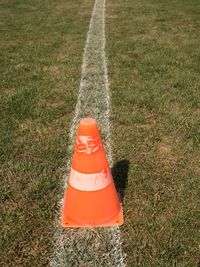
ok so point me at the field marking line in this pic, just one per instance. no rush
(90, 247)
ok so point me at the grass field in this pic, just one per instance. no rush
(154, 73)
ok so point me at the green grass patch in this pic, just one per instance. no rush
(41, 55)
(154, 67)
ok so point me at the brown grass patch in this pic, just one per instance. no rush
(165, 149)
(9, 91)
(41, 131)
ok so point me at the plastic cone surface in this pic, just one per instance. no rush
(91, 198)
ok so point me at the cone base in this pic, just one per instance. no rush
(115, 221)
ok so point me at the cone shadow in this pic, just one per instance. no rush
(120, 175)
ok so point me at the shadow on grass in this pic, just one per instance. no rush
(120, 176)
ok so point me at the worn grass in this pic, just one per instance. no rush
(154, 73)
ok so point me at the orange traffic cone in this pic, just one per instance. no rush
(91, 198)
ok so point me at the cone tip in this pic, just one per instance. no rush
(87, 121)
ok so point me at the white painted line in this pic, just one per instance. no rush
(90, 247)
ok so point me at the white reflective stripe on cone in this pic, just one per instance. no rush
(90, 182)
